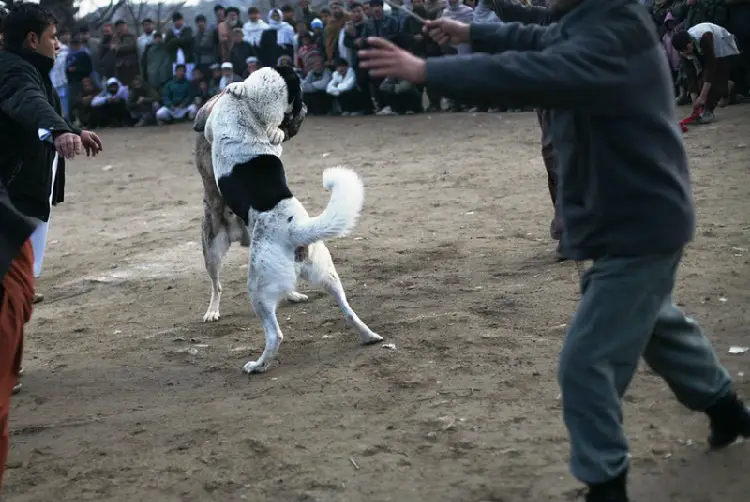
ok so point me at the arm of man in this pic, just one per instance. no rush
(510, 11)
(709, 63)
(583, 73)
(499, 37)
(24, 102)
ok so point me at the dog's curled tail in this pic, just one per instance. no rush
(342, 212)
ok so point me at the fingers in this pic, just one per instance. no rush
(381, 44)
(97, 141)
(68, 145)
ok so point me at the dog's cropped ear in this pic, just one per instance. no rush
(199, 124)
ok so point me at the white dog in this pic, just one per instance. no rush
(245, 129)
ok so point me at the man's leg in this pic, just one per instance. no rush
(163, 114)
(16, 295)
(39, 243)
(550, 164)
(192, 111)
(620, 304)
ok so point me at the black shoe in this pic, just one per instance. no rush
(730, 420)
(611, 491)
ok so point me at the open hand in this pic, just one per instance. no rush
(384, 59)
(447, 31)
(91, 143)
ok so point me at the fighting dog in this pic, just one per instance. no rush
(246, 199)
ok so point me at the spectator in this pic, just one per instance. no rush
(205, 49)
(146, 37)
(251, 64)
(300, 30)
(303, 13)
(342, 90)
(673, 57)
(287, 15)
(693, 12)
(110, 107)
(199, 88)
(179, 42)
(381, 26)
(78, 66)
(106, 60)
(325, 15)
(177, 99)
(58, 75)
(143, 100)
(215, 79)
(739, 25)
(401, 97)
(81, 109)
(241, 50)
(157, 63)
(354, 31)
(125, 47)
(367, 8)
(93, 47)
(254, 27)
(315, 85)
(332, 30)
(228, 76)
(278, 39)
(222, 33)
(708, 66)
(285, 61)
(307, 46)
(459, 12)
(484, 14)
(233, 18)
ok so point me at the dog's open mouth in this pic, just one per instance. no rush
(300, 254)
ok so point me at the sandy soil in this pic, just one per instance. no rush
(129, 396)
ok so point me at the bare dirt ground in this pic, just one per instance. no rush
(128, 396)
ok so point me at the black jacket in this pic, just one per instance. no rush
(28, 102)
(14, 230)
(624, 185)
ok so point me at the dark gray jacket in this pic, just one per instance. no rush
(624, 185)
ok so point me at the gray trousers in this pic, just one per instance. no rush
(625, 313)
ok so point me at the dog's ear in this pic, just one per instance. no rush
(199, 124)
(293, 87)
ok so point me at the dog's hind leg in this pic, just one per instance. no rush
(265, 309)
(216, 240)
(319, 271)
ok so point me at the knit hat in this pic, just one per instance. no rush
(316, 23)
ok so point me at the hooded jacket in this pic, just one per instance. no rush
(624, 185)
(29, 106)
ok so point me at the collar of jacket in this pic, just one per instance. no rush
(586, 12)
(41, 63)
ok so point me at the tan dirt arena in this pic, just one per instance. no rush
(129, 397)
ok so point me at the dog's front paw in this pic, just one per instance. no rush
(369, 337)
(237, 89)
(211, 315)
(275, 135)
(254, 367)
(295, 297)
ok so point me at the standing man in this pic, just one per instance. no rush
(34, 139)
(625, 201)
(59, 76)
(146, 38)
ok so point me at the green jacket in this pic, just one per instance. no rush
(146, 91)
(177, 93)
(157, 65)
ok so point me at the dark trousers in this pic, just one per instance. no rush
(318, 103)
(16, 305)
(410, 101)
(350, 101)
(550, 163)
(111, 114)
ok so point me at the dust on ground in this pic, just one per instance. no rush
(129, 396)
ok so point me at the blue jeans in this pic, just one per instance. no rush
(626, 312)
(63, 93)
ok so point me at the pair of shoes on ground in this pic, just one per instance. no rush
(729, 421)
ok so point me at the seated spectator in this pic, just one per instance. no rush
(251, 65)
(143, 101)
(315, 85)
(81, 107)
(400, 97)
(157, 62)
(709, 54)
(228, 76)
(307, 46)
(285, 60)
(110, 107)
(215, 79)
(199, 88)
(176, 99)
(343, 91)
(240, 51)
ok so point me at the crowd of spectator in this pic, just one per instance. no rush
(119, 79)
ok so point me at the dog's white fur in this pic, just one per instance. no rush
(244, 124)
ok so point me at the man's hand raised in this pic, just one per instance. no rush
(447, 31)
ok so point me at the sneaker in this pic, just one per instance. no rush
(38, 297)
(730, 420)
(356, 114)
(386, 111)
(706, 117)
(611, 491)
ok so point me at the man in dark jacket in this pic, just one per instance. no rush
(626, 204)
(32, 136)
(179, 42)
